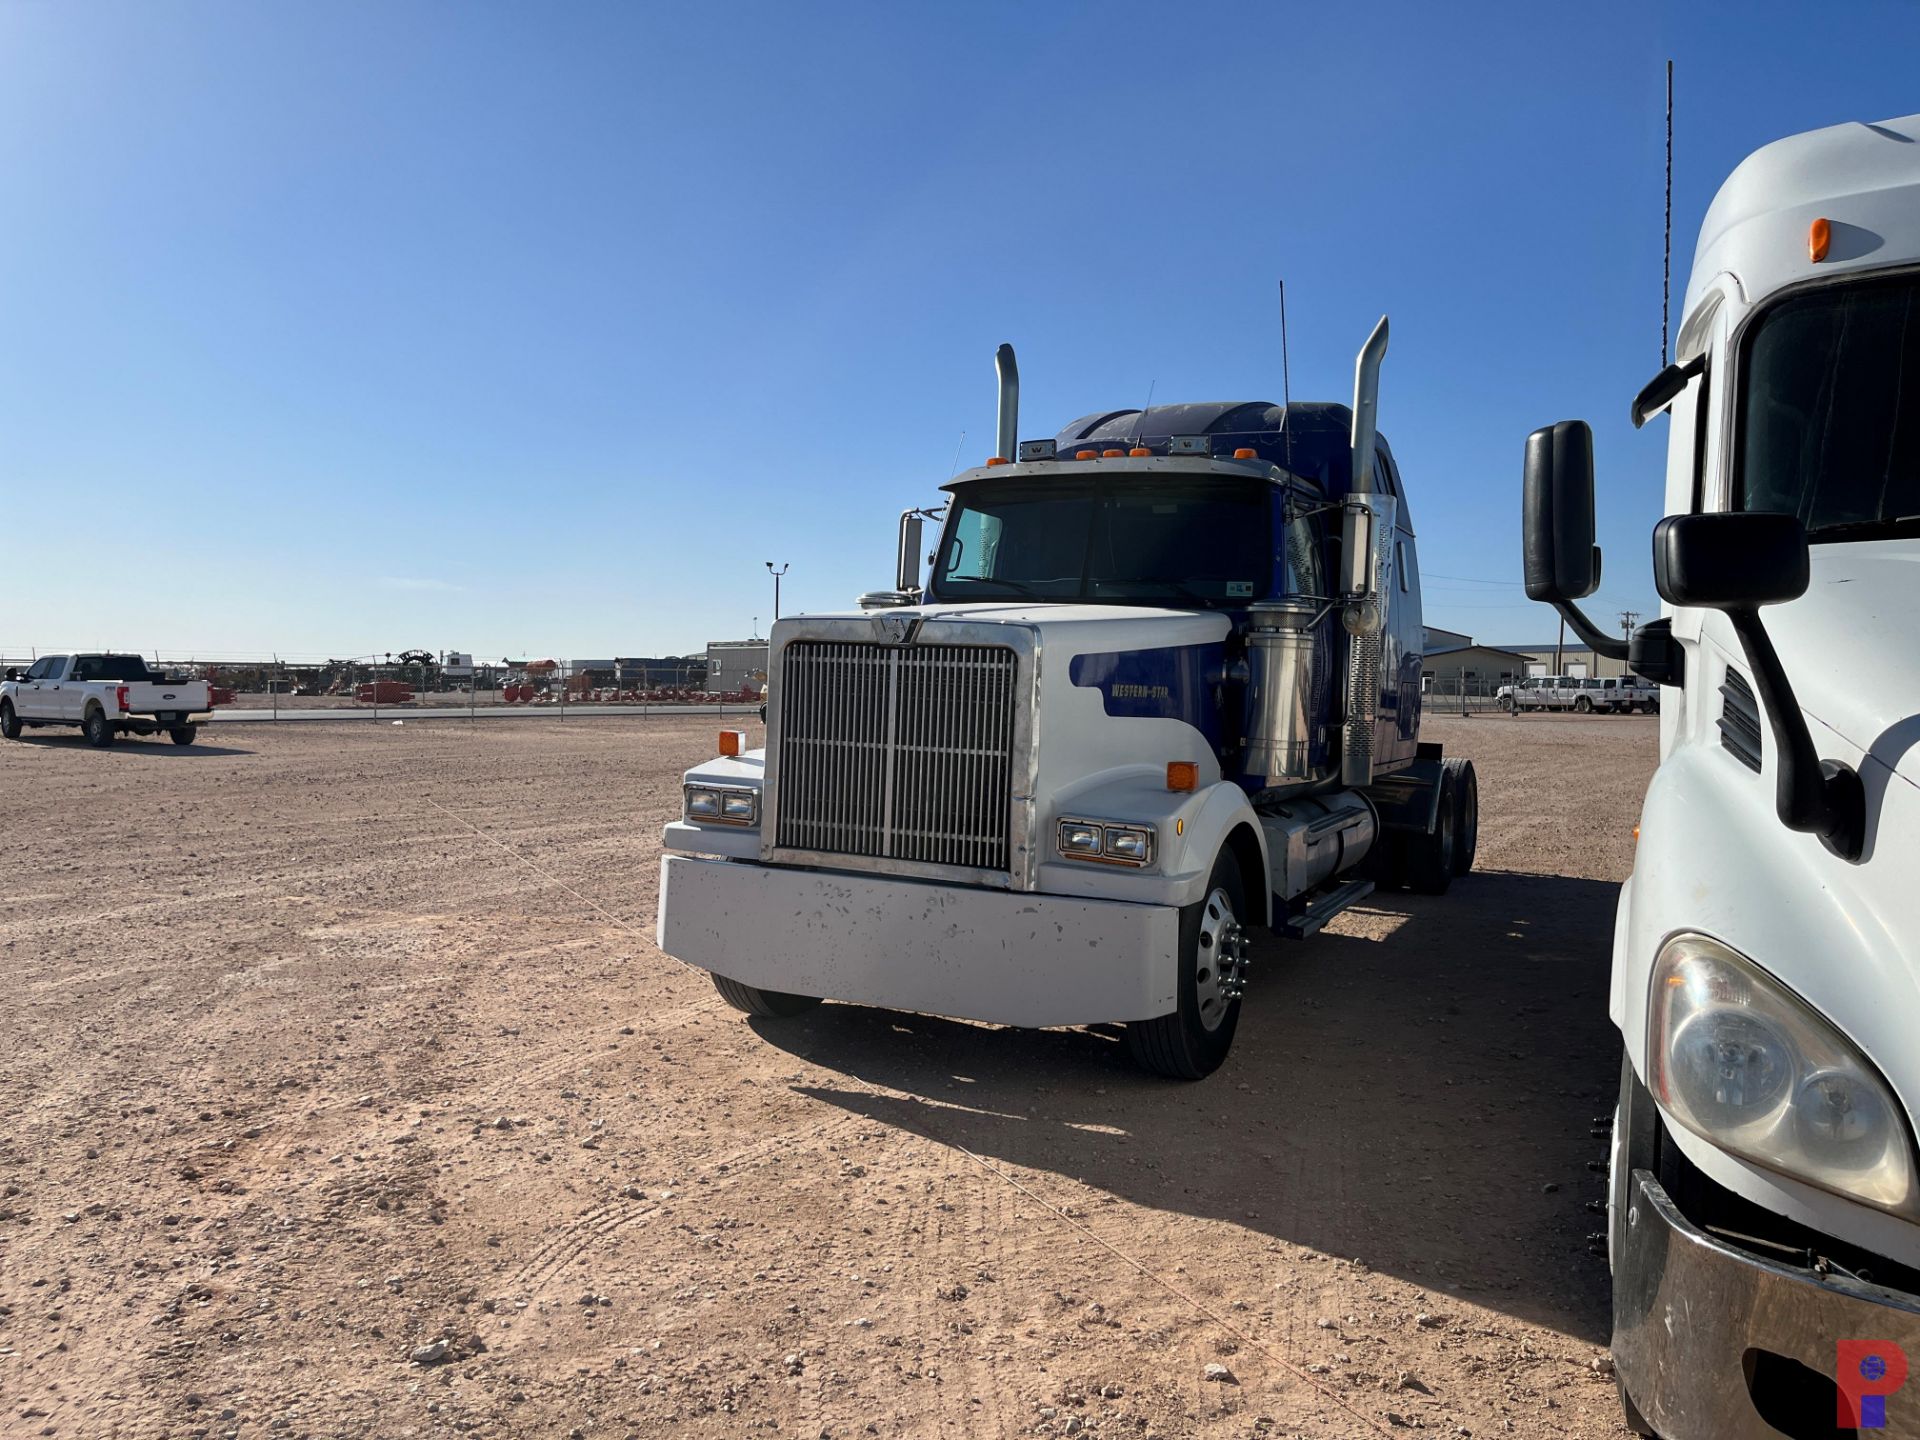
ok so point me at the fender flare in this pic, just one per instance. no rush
(1223, 817)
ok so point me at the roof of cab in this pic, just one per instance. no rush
(1863, 178)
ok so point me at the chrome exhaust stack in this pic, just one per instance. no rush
(1366, 551)
(1007, 444)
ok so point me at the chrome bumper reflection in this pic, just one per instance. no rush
(1687, 1308)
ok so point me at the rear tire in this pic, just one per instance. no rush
(184, 734)
(1583, 705)
(1191, 1043)
(1466, 833)
(767, 1004)
(1429, 857)
(9, 722)
(97, 728)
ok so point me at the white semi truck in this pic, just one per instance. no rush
(1161, 687)
(1765, 1204)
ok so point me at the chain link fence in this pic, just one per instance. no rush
(310, 688)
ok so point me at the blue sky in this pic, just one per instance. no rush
(341, 328)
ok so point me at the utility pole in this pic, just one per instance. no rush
(1627, 619)
(776, 585)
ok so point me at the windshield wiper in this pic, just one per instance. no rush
(1018, 587)
(1860, 529)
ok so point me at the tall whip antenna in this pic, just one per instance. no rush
(1286, 381)
(1666, 261)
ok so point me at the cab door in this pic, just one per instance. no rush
(38, 697)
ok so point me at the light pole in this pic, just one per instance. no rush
(776, 585)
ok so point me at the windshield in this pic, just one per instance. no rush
(1181, 540)
(1830, 423)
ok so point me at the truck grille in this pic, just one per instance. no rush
(897, 751)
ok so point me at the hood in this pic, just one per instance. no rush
(1081, 627)
(1848, 647)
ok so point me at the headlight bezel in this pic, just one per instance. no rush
(1102, 850)
(720, 796)
(1695, 979)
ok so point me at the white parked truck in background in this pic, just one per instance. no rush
(1765, 1208)
(103, 695)
(1162, 687)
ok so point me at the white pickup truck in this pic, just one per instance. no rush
(105, 695)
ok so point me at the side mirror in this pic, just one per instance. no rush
(1730, 561)
(1561, 560)
(907, 563)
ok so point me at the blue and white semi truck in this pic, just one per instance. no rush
(1161, 687)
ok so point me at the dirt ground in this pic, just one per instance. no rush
(345, 1094)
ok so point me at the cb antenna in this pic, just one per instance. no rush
(1286, 382)
(1666, 259)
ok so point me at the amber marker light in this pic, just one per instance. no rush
(1139, 450)
(996, 460)
(1819, 237)
(1243, 453)
(1182, 775)
(730, 741)
(1086, 454)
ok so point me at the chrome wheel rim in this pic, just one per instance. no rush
(1219, 961)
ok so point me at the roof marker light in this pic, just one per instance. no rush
(1086, 454)
(1819, 237)
(1243, 453)
(1139, 450)
(1111, 454)
(996, 460)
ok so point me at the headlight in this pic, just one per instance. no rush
(1109, 844)
(1742, 1061)
(713, 805)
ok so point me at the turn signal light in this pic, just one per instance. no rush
(1819, 237)
(1139, 450)
(1182, 775)
(732, 742)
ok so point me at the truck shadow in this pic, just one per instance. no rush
(1421, 1093)
(161, 749)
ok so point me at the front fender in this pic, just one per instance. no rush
(1190, 827)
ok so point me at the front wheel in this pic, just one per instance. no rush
(1583, 705)
(1191, 1043)
(97, 728)
(9, 721)
(184, 734)
(767, 1004)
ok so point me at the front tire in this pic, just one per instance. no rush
(184, 734)
(1583, 706)
(97, 728)
(1191, 1043)
(767, 1004)
(9, 721)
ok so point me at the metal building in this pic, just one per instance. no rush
(734, 665)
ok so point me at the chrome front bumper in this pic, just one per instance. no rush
(1688, 1309)
(1013, 958)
